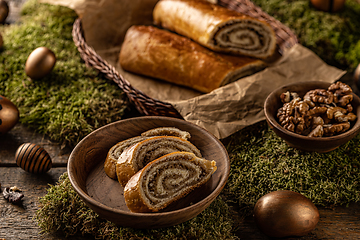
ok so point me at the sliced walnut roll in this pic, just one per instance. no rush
(166, 180)
(216, 27)
(164, 55)
(116, 150)
(137, 156)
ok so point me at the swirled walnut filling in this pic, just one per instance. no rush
(248, 36)
(172, 178)
(158, 147)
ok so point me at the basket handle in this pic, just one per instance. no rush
(143, 103)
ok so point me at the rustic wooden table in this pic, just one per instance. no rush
(16, 222)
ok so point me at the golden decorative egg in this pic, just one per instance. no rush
(4, 11)
(285, 214)
(40, 63)
(328, 5)
(356, 77)
(1, 41)
(9, 115)
(33, 158)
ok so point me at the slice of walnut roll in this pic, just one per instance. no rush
(216, 27)
(116, 150)
(137, 156)
(166, 180)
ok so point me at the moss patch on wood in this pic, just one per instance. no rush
(63, 211)
(261, 162)
(70, 102)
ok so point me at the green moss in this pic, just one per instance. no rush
(63, 211)
(70, 102)
(334, 37)
(262, 162)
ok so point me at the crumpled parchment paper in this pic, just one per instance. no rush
(222, 112)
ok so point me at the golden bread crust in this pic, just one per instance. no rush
(202, 21)
(138, 196)
(160, 54)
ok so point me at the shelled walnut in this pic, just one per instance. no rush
(320, 113)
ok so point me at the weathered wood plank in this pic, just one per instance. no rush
(10, 141)
(339, 223)
(16, 222)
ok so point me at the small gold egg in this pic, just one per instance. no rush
(33, 158)
(9, 115)
(356, 77)
(40, 63)
(4, 10)
(285, 214)
(328, 5)
(1, 41)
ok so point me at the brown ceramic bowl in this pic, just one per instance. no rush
(105, 195)
(312, 144)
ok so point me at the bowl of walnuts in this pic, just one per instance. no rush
(314, 116)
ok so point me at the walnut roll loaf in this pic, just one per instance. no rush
(164, 55)
(216, 27)
(137, 156)
(166, 180)
(116, 150)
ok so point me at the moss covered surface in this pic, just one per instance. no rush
(70, 102)
(62, 210)
(334, 37)
(261, 162)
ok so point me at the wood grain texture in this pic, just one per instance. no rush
(20, 134)
(338, 223)
(16, 221)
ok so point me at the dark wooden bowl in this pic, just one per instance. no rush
(312, 144)
(105, 195)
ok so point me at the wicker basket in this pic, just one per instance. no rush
(150, 106)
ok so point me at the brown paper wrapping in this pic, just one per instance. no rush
(225, 110)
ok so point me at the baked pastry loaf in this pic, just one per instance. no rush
(160, 54)
(115, 152)
(165, 180)
(216, 27)
(137, 156)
